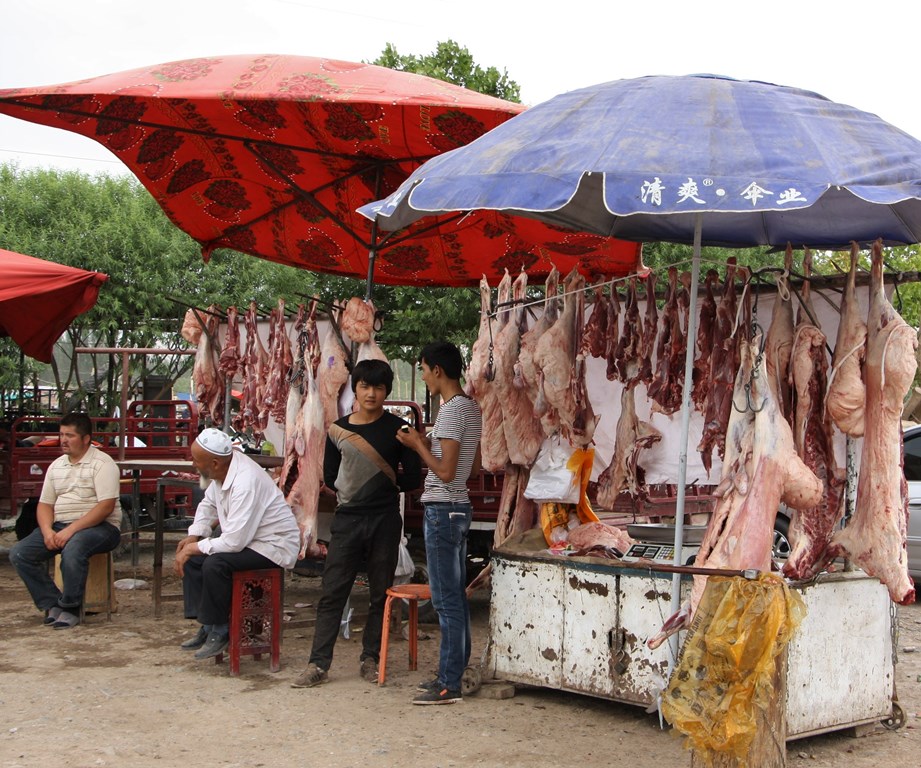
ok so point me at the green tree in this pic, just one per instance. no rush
(113, 225)
(453, 63)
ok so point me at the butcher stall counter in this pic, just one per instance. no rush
(581, 625)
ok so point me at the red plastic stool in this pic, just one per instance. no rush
(255, 617)
(412, 593)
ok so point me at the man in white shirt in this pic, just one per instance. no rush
(78, 516)
(257, 530)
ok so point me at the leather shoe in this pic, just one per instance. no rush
(195, 642)
(215, 644)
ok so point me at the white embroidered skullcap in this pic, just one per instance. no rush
(214, 441)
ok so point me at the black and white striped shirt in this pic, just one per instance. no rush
(458, 419)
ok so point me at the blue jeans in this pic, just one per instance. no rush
(445, 526)
(30, 559)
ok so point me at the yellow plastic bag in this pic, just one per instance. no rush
(727, 663)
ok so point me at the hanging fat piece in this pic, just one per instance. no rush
(845, 399)
(813, 438)
(481, 374)
(875, 538)
(357, 320)
(523, 433)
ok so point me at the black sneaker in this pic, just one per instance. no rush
(429, 685)
(438, 696)
(196, 641)
(214, 645)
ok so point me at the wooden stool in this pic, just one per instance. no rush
(413, 593)
(255, 617)
(99, 596)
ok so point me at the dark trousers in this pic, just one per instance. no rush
(357, 542)
(207, 583)
(30, 559)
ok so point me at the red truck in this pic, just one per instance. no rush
(154, 429)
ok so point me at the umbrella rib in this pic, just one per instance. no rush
(205, 134)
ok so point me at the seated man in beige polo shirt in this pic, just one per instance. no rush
(78, 516)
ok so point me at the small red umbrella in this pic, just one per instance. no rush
(271, 155)
(39, 299)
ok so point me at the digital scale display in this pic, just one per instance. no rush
(660, 552)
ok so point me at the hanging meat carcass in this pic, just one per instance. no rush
(847, 393)
(254, 371)
(555, 355)
(595, 332)
(523, 433)
(778, 344)
(704, 343)
(760, 469)
(875, 538)
(302, 475)
(481, 374)
(229, 362)
(612, 334)
(667, 385)
(332, 373)
(305, 330)
(647, 341)
(208, 381)
(724, 362)
(811, 529)
(275, 393)
(516, 514)
(627, 353)
(526, 368)
(625, 473)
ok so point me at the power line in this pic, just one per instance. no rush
(62, 157)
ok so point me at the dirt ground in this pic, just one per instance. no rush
(122, 693)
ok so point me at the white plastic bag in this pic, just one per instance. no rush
(405, 566)
(550, 480)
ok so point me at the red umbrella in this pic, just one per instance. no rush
(271, 155)
(39, 299)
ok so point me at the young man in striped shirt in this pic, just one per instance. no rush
(452, 453)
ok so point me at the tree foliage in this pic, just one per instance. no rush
(113, 225)
(453, 63)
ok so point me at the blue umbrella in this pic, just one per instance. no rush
(699, 159)
(647, 159)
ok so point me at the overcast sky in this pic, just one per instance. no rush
(860, 53)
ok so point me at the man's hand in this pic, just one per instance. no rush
(187, 548)
(48, 537)
(409, 437)
(60, 538)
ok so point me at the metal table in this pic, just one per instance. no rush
(138, 466)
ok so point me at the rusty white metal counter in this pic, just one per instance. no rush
(581, 625)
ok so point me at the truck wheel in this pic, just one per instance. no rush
(471, 681)
(781, 546)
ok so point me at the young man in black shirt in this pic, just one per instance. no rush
(361, 462)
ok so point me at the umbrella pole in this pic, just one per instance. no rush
(685, 428)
